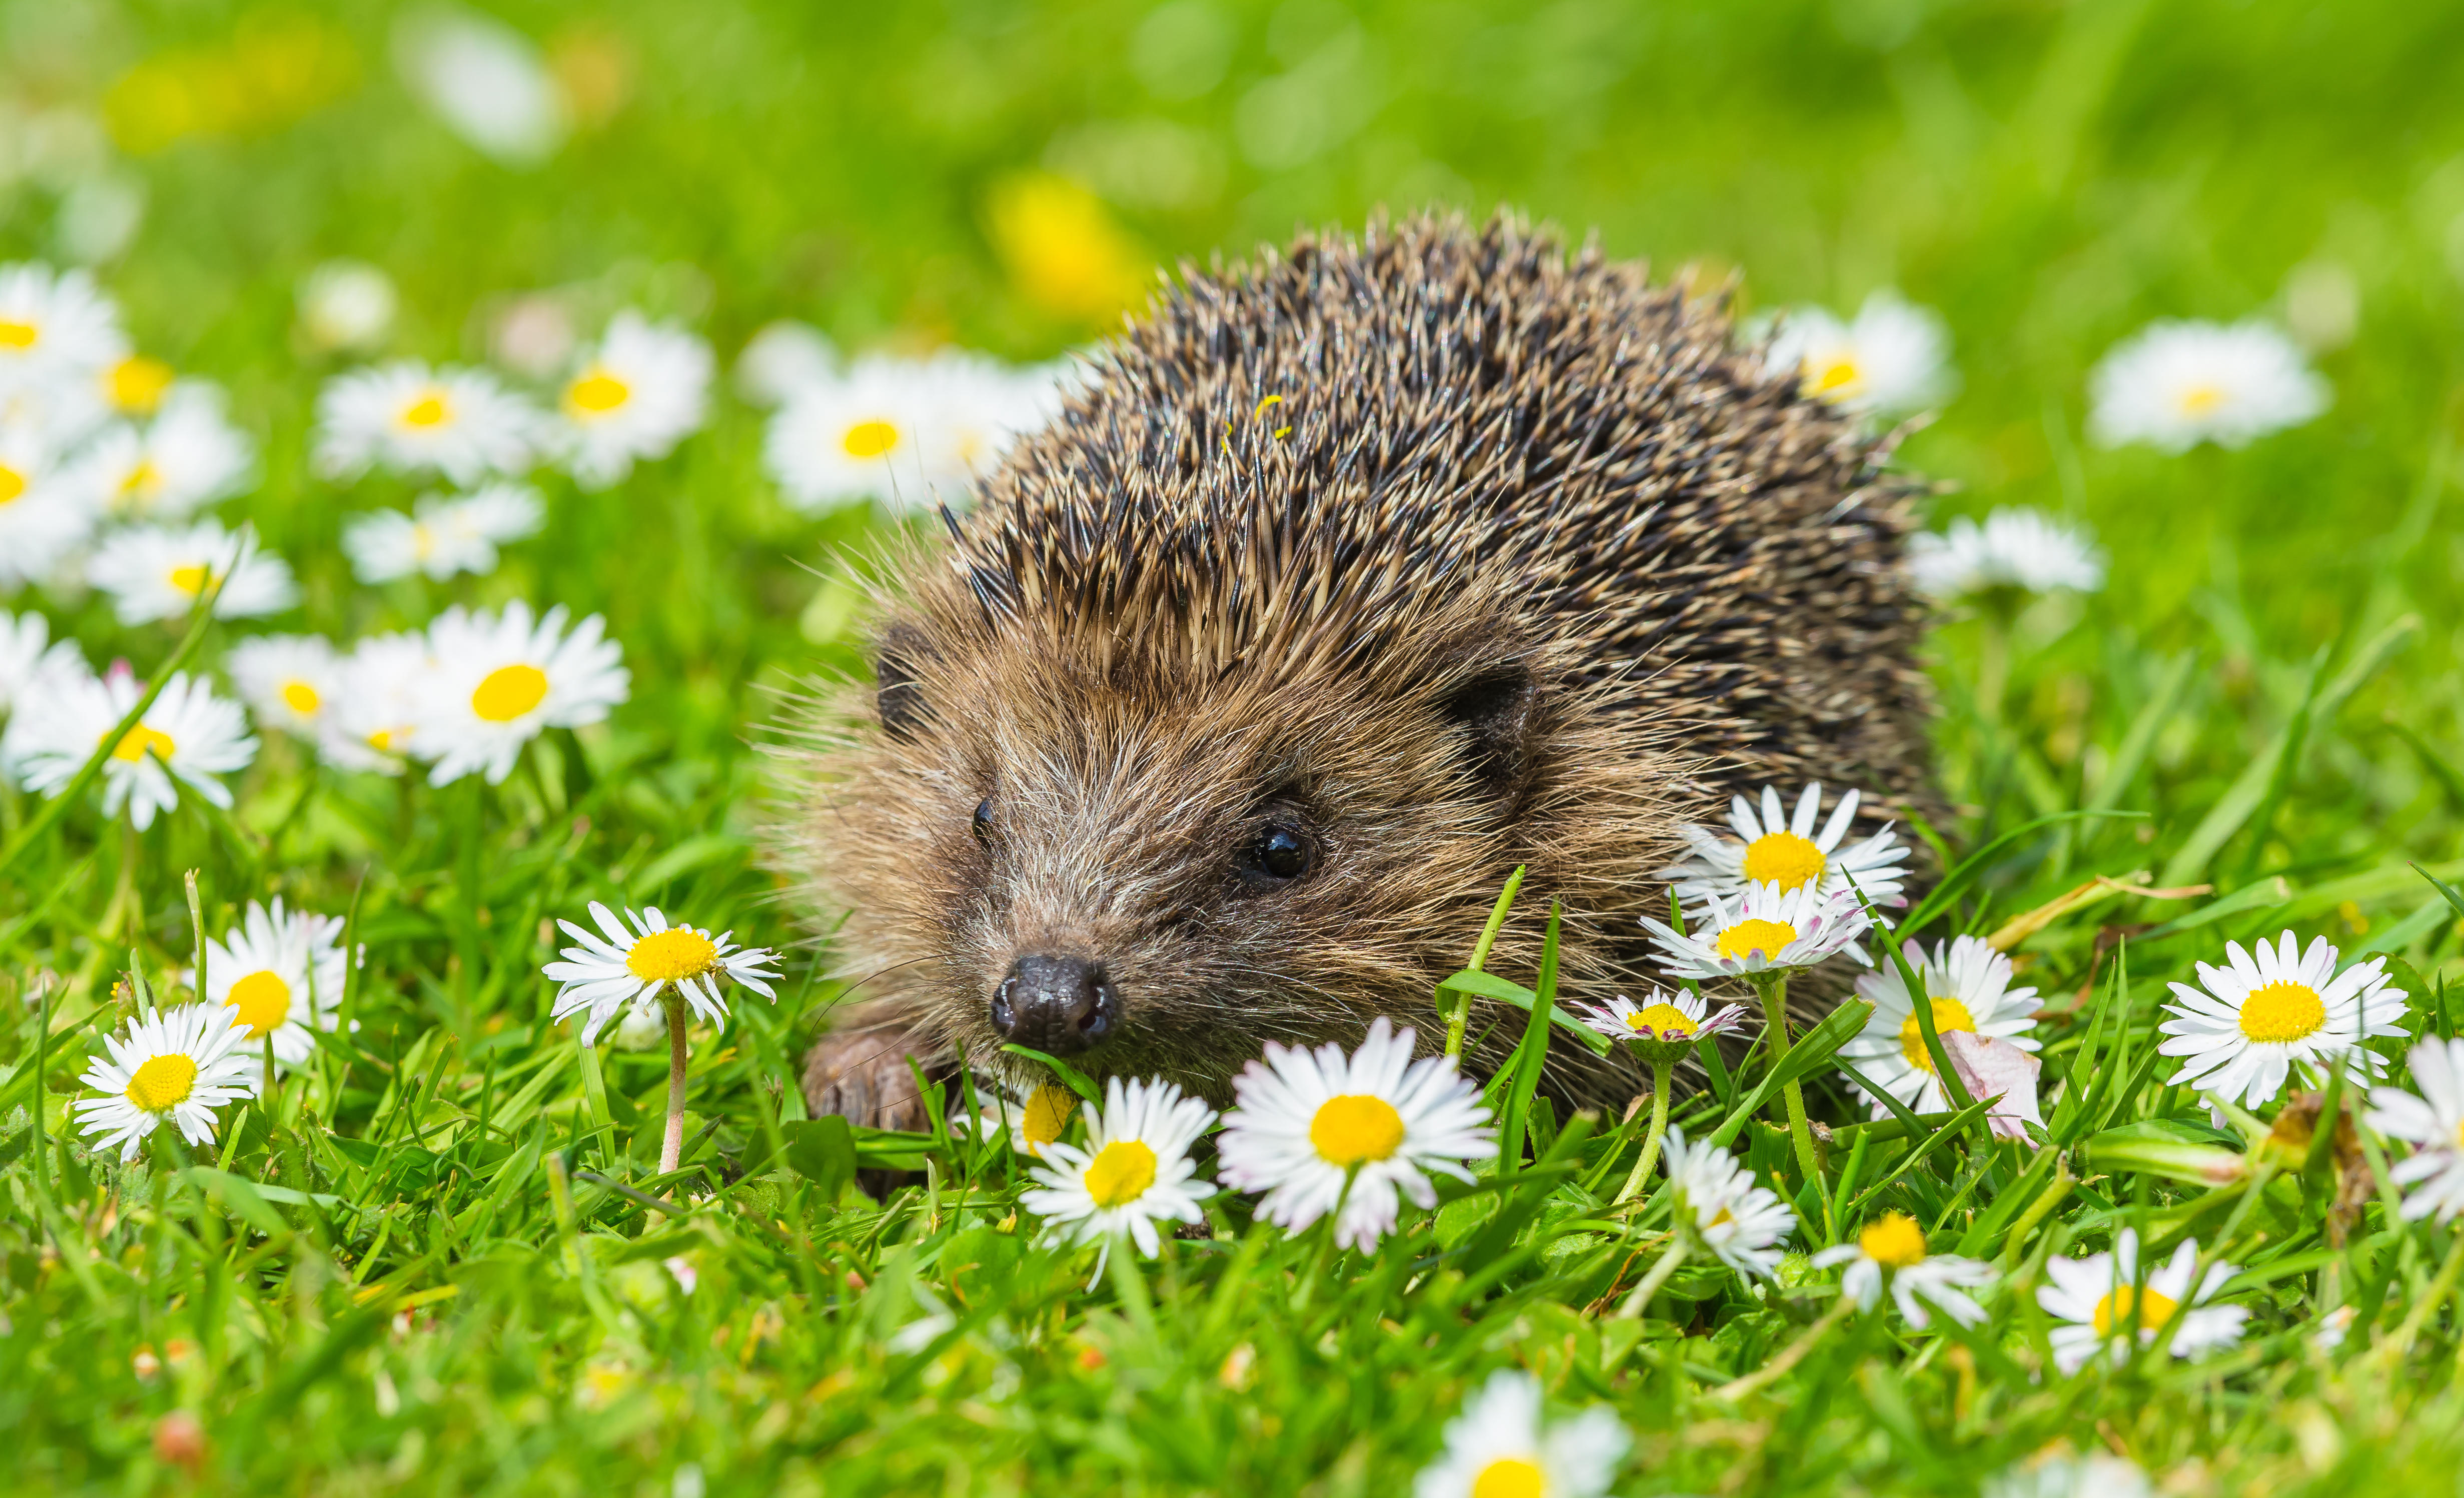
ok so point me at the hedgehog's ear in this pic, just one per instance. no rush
(1494, 709)
(897, 695)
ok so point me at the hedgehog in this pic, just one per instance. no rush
(1349, 581)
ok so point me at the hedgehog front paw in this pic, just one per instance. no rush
(864, 1075)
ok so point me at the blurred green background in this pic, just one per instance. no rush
(2049, 176)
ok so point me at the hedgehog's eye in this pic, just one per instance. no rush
(984, 823)
(1279, 855)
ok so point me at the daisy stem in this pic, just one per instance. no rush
(1632, 1309)
(672, 1145)
(1773, 989)
(1659, 1071)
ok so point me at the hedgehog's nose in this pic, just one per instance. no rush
(1057, 1005)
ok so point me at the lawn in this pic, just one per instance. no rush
(439, 1253)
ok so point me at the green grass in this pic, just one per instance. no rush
(416, 1276)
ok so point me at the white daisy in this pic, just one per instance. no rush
(1769, 930)
(1500, 1446)
(290, 681)
(460, 423)
(376, 713)
(346, 306)
(2094, 1475)
(2250, 1022)
(281, 974)
(900, 430)
(27, 652)
(1969, 985)
(487, 82)
(1031, 1119)
(157, 572)
(2433, 1124)
(1892, 1250)
(189, 455)
(2097, 1301)
(613, 966)
(1134, 1173)
(443, 535)
(1315, 1128)
(1665, 1027)
(499, 679)
(188, 737)
(1894, 359)
(1788, 851)
(2177, 385)
(783, 358)
(1719, 1205)
(643, 389)
(56, 328)
(2017, 547)
(46, 510)
(179, 1064)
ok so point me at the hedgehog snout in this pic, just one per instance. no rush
(1058, 1005)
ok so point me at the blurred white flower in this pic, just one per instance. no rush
(1894, 359)
(1892, 1250)
(98, 216)
(376, 709)
(189, 455)
(2177, 385)
(292, 681)
(460, 423)
(136, 384)
(499, 679)
(642, 390)
(486, 81)
(188, 736)
(46, 510)
(346, 306)
(157, 572)
(2100, 1301)
(1501, 1446)
(443, 535)
(2094, 1475)
(2433, 1175)
(2015, 548)
(532, 334)
(903, 431)
(27, 651)
(1720, 1208)
(56, 328)
(783, 358)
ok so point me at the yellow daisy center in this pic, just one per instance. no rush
(382, 739)
(429, 410)
(869, 439)
(2202, 399)
(300, 697)
(1783, 858)
(1667, 1019)
(163, 1082)
(2280, 1011)
(423, 541)
(1121, 1173)
(144, 482)
(1835, 373)
(263, 1001)
(1948, 1014)
(1048, 1113)
(508, 692)
(675, 953)
(1354, 1129)
(137, 383)
(1895, 1240)
(1766, 937)
(1510, 1477)
(190, 579)
(17, 335)
(597, 393)
(134, 745)
(2113, 1312)
(11, 484)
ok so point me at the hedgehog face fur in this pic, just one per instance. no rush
(1351, 582)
